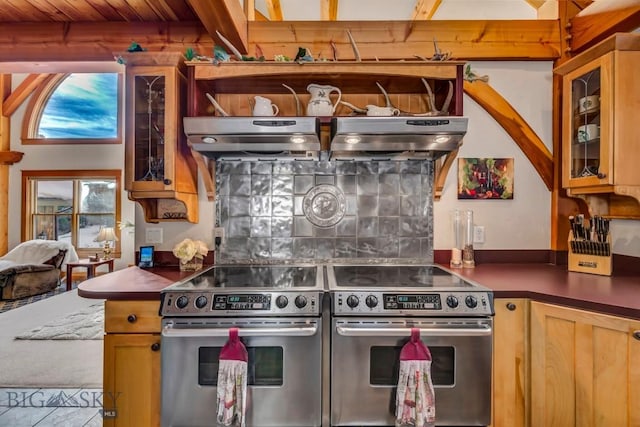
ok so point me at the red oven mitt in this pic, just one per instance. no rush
(232, 382)
(415, 397)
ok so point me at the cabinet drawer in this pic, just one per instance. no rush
(132, 317)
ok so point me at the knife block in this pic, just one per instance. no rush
(592, 257)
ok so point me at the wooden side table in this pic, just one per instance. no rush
(89, 265)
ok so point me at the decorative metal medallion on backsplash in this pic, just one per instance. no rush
(324, 205)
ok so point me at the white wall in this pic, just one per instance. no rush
(524, 222)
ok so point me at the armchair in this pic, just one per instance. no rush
(34, 267)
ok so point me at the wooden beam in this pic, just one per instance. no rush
(275, 10)
(478, 40)
(487, 40)
(425, 9)
(507, 117)
(600, 20)
(10, 157)
(225, 16)
(26, 88)
(329, 10)
(250, 9)
(5, 146)
(536, 4)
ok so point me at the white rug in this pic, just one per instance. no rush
(84, 324)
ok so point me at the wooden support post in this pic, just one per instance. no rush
(5, 145)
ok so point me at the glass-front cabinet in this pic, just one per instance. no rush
(160, 172)
(588, 124)
(600, 138)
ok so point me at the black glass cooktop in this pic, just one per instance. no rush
(244, 276)
(396, 276)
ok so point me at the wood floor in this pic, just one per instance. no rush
(50, 407)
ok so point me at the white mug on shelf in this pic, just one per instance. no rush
(588, 103)
(588, 133)
(264, 107)
(374, 110)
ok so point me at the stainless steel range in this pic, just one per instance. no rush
(278, 312)
(373, 309)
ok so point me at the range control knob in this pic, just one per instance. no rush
(301, 301)
(282, 301)
(452, 301)
(201, 301)
(471, 301)
(353, 301)
(371, 301)
(182, 302)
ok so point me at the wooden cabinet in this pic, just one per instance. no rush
(510, 363)
(160, 173)
(601, 143)
(131, 389)
(584, 368)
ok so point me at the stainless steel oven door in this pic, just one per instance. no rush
(365, 362)
(284, 386)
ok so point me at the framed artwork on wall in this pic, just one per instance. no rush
(485, 178)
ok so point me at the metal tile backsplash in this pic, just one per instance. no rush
(389, 210)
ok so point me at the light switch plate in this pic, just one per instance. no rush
(153, 235)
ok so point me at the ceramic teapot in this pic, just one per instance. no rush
(320, 104)
(264, 107)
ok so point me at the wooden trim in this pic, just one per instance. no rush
(95, 41)
(5, 146)
(274, 9)
(71, 174)
(26, 88)
(10, 157)
(65, 141)
(523, 135)
(329, 10)
(442, 170)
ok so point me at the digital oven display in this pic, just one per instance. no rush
(412, 302)
(242, 302)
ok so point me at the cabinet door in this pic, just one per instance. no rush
(131, 390)
(588, 118)
(510, 382)
(584, 368)
(151, 131)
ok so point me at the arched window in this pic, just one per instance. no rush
(76, 108)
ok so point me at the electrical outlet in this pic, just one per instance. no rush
(218, 236)
(478, 234)
(153, 235)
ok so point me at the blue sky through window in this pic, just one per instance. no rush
(82, 106)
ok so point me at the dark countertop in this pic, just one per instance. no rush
(617, 295)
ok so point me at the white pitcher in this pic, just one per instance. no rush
(320, 102)
(264, 107)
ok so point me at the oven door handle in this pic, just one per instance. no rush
(483, 330)
(298, 331)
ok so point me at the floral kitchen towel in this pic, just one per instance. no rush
(232, 382)
(415, 396)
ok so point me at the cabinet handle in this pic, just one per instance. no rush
(511, 306)
(132, 318)
(155, 346)
(636, 335)
(602, 175)
(167, 181)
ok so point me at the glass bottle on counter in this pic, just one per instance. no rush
(467, 250)
(458, 241)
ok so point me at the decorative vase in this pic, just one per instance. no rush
(194, 264)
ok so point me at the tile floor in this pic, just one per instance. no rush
(50, 407)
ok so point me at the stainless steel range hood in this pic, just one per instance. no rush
(249, 138)
(395, 138)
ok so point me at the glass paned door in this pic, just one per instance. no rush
(585, 143)
(149, 99)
